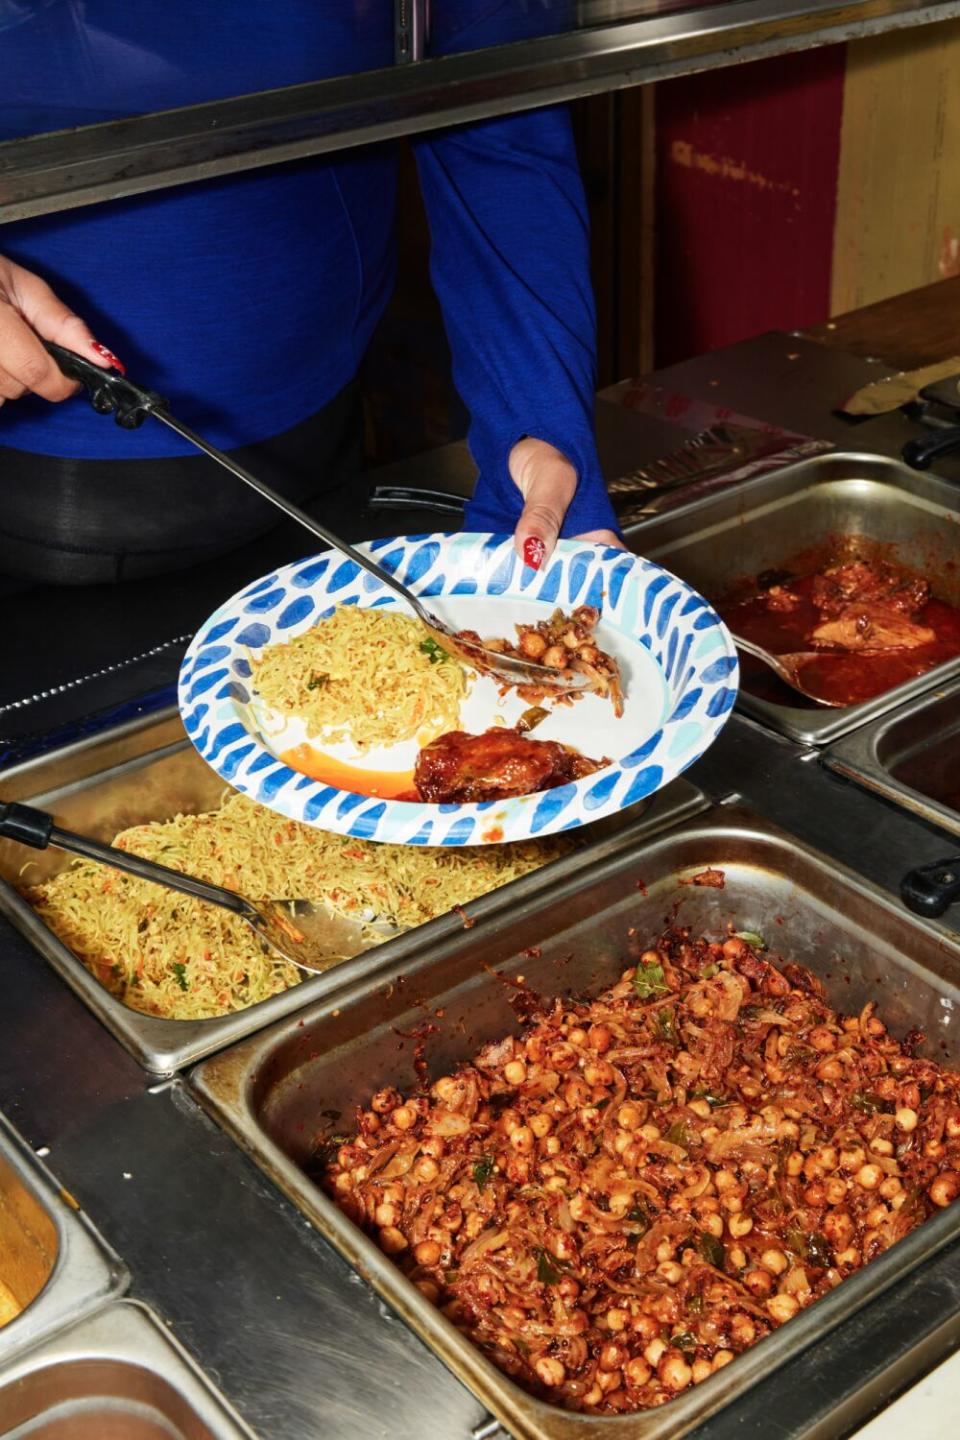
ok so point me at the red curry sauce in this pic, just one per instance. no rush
(842, 675)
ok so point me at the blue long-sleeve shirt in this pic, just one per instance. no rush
(249, 300)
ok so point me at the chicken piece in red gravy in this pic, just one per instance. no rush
(461, 769)
(860, 584)
(870, 607)
(872, 627)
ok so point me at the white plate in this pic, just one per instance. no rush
(677, 659)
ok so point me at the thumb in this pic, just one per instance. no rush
(547, 481)
(537, 531)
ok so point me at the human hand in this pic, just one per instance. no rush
(547, 481)
(28, 309)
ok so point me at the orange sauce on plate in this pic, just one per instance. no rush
(381, 784)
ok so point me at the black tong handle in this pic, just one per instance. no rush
(25, 825)
(36, 828)
(921, 452)
(108, 390)
(931, 889)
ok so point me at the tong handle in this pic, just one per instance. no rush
(931, 889)
(37, 829)
(25, 825)
(106, 389)
(921, 452)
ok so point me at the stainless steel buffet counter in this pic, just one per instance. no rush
(220, 1244)
(298, 1343)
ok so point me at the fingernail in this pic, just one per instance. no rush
(109, 356)
(533, 551)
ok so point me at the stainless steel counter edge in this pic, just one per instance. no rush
(57, 171)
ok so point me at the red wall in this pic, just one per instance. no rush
(747, 162)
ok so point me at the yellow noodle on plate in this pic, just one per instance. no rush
(369, 676)
(168, 955)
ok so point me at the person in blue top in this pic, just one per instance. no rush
(249, 300)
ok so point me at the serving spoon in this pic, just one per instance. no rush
(131, 404)
(787, 668)
(310, 936)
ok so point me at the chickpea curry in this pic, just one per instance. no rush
(616, 1202)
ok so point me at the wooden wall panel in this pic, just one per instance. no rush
(898, 201)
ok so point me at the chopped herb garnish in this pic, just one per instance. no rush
(871, 1103)
(482, 1171)
(649, 981)
(180, 975)
(667, 1026)
(695, 1304)
(710, 971)
(683, 1341)
(679, 1134)
(547, 1271)
(716, 1102)
(435, 652)
(317, 680)
(818, 1250)
(600, 1104)
(711, 1249)
(751, 938)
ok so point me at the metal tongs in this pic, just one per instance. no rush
(110, 392)
(310, 935)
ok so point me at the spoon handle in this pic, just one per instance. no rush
(36, 828)
(749, 648)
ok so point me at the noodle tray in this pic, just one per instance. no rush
(147, 773)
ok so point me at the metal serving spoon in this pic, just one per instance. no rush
(310, 936)
(110, 391)
(787, 668)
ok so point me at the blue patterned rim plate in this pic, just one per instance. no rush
(678, 661)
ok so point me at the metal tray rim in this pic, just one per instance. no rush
(534, 1419)
(130, 1332)
(86, 1275)
(856, 758)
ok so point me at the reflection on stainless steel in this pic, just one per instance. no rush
(853, 935)
(51, 1265)
(763, 525)
(60, 170)
(116, 1376)
(911, 757)
(150, 772)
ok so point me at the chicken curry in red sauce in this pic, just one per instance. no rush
(872, 625)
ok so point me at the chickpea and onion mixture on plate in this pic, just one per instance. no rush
(637, 1188)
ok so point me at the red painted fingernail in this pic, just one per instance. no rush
(533, 551)
(109, 356)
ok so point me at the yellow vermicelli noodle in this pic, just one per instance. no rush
(169, 955)
(369, 676)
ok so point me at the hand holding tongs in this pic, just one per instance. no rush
(131, 404)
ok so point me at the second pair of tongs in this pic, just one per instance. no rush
(111, 392)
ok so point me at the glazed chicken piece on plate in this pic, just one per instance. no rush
(460, 769)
